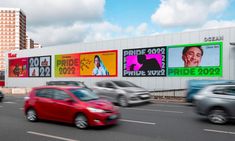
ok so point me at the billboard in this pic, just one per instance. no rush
(40, 66)
(18, 67)
(67, 65)
(195, 60)
(98, 64)
(144, 62)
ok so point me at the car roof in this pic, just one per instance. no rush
(58, 87)
(223, 84)
(111, 81)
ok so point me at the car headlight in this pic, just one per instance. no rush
(198, 97)
(95, 110)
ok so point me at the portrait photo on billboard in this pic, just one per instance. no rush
(40, 66)
(144, 62)
(98, 64)
(67, 65)
(18, 67)
(203, 59)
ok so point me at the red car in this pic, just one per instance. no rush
(69, 104)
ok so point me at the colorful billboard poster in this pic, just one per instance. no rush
(18, 67)
(144, 62)
(99, 64)
(67, 65)
(40, 66)
(195, 60)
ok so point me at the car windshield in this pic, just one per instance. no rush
(81, 84)
(124, 84)
(84, 94)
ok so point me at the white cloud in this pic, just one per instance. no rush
(44, 12)
(52, 35)
(173, 13)
(214, 24)
(83, 32)
(102, 31)
(53, 22)
(107, 31)
(142, 28)
(139, 30)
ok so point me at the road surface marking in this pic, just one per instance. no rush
(10, 102)
(135, 121)
(51, 136)
(151, 110)
(219, 131)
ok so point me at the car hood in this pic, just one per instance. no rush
(101, 104)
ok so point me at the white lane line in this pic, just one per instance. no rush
(51, 136)
(151, 110)
(10, 102)
(135, 121)
(219, 131)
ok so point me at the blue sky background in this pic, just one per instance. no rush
(130, 12)
(75, 21)
(211, 56)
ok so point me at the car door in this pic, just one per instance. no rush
(44, 103)
(111, 91)
(64, 105)
(230, 99)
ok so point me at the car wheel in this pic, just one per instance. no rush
(81, 121)
(31, 115)
(0, 99)
(122, 101)
(218, 116)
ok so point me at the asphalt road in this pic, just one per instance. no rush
(148, 122)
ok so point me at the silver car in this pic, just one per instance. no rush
(122, 92)
(217, 102)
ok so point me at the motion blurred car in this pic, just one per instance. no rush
(217, 102)
(1, 96)
(124, 93)
(194, 86)
(69, 104)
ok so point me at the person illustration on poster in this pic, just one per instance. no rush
(16, 70)
(148, 64)
(192, 56)
(99, 67)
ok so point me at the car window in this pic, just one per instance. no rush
(45, 93)
(60, 95)
(84, 94)
(218, 90)
(230, 90)
(109, 85)
(124, 84)
(100, 84)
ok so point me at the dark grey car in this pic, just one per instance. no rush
(217, 102)
(122, 92)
